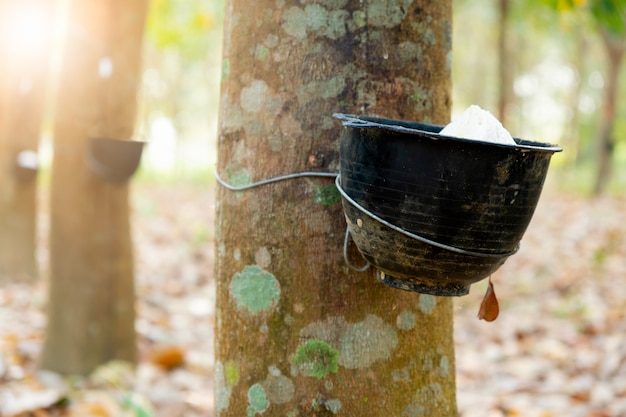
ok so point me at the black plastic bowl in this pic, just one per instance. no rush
(436, 213)
(113, 160)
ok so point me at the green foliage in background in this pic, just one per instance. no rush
(179, 95)
(186, 25)
(610, 15)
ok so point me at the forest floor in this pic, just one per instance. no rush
(557, 349)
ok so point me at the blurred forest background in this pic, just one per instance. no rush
(541, 66)
(548, 69)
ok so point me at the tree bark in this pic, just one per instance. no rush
(91, 296)
(298, 333)
(615, 48)
(23, 81)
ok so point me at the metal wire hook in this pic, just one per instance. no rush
(271, 180)
(346, 257)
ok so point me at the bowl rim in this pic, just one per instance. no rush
(432, 131)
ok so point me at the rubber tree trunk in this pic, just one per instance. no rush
(615, 48)
(23, 81)
(91, 296)
(298, 333)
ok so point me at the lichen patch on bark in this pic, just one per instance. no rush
(254, 290)
(252, 97)
(427, 303)
(316, 358)
(360, 344)
(257, 399)
(278, 388)
(222, 390)
(406, 320)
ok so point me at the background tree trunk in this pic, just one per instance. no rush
(298, 333)
(23, 81)
(91, 300)
(615, 48)
(504, 60)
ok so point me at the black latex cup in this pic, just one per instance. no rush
(113, 160)
(464, 204)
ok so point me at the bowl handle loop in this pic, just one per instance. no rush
(346, 258)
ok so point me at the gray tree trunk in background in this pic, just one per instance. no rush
(298, 333)
(615, 49)
(23, 80)
(91, 316)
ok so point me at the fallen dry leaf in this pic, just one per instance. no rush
(167, 357)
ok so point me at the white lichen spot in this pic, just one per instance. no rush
(271, 41)
(262, 257)
(222, 390)
(337, 24)
(405, 320)
(278, 388)
(427, 303)
(427, 401)
(360, 344)
(294, 22)
(326, 89)
(401, 375)
(414, 410)
(388, 13)
(232, 114)
(333, 405)
(253, 96)
(429, 394)
(444, 366)
(273, 370)
(237, 254)
(334, 4)
(410, 52)
(315, 19)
